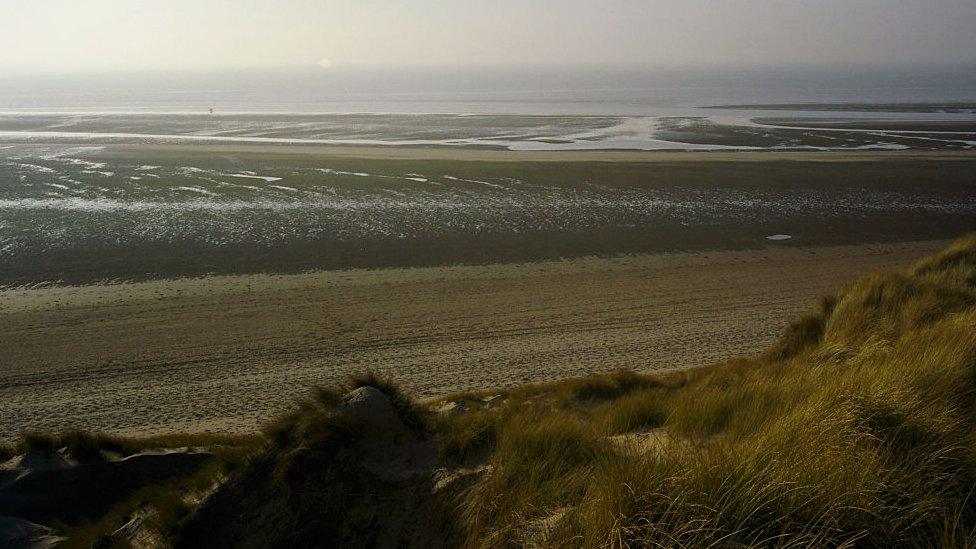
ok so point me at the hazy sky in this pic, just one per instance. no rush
(83, 35)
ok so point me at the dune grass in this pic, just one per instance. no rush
(85, 446)
(856, 429)
(162, 506)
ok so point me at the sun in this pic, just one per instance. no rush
(325, 63)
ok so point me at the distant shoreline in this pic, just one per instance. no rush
(963, 127)
(664, 129)
(408, 152)
(964, 107)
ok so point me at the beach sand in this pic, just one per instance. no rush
(225, 354)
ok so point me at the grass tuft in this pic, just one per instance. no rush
(644, 409)
(408, 410)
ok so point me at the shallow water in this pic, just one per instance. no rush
(64, 205)
(716, 131)
(519, 109)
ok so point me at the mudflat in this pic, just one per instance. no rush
(226, 353)
(955, 126)
(406, 152)
(79, 215)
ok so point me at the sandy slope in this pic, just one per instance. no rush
(226, 353)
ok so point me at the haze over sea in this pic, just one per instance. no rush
(542, 91)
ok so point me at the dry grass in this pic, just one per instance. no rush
(162, 506)
(475, 433)
(86, 446)
(856, 429)
(315, 423)
(639, 410)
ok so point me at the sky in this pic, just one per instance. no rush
(107, 35)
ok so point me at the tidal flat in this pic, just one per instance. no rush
(77, 214)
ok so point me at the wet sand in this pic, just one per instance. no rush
(309, 208)
(950, 107)
(955, 126)
(487, 155)
(227, 353)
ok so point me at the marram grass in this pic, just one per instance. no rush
(855, 430)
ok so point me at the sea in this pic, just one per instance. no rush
(528, 91)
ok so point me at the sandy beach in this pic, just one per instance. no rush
(203, 287)
(224, 354)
